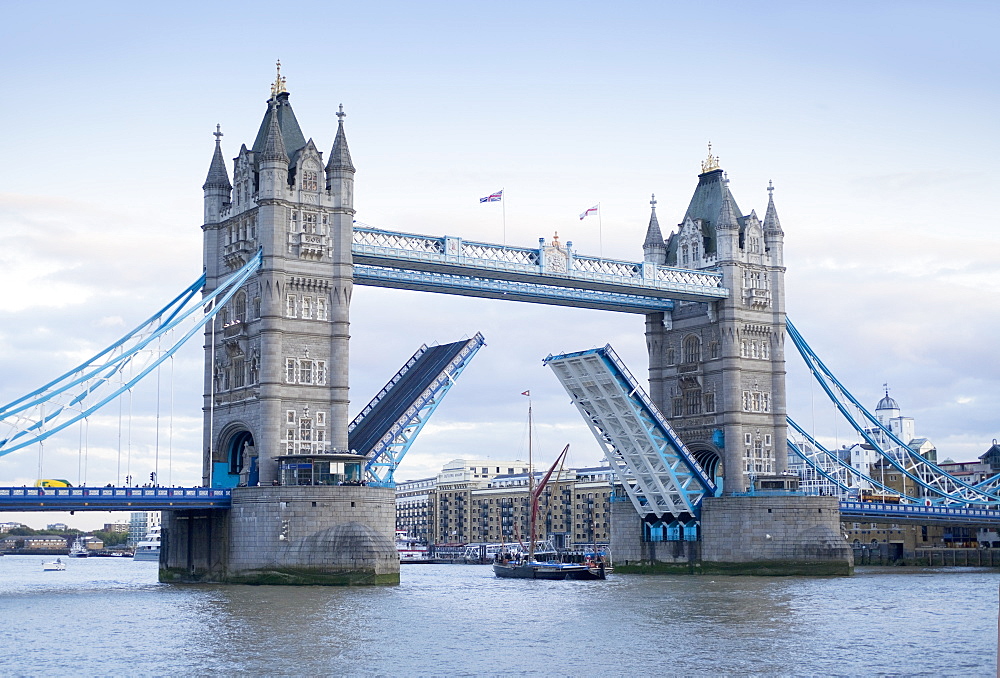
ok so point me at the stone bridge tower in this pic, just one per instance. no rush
(276, 383)
(717, 370)
(717, 373)
(276, 379)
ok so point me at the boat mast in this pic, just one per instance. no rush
(532, 506)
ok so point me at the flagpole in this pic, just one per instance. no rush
(600, 233)
(503, 211)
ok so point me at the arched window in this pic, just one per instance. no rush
(692, 349)
(240, 307)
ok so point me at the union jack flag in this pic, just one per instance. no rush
(493, 197)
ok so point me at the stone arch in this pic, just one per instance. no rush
(710, 459)
(238, 446)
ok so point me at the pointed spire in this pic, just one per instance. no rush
(340, 156)
(727, 213)
(274, 143)
(654, 237)
(218, 176)
(653, 247)
(771, 222)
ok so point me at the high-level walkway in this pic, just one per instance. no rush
(549, 274)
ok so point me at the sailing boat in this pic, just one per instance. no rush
(520, 565)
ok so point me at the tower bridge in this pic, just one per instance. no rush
(300, 493)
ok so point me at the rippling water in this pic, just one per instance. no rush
(106, 616)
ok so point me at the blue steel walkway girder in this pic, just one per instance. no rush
(507, 290)
(660, 475)
(552, 267)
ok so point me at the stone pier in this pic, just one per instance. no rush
(329, 535)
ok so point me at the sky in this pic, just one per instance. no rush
(875, 121)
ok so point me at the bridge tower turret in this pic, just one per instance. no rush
(218, 196)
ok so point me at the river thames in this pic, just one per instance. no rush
(108, 616)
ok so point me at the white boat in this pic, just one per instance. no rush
(410, 550)
(54, 566)
(78, 550)
(149, 547)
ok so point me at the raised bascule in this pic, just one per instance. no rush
(296, 492)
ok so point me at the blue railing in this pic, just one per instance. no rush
(909, 512)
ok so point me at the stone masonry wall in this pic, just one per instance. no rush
(341, 533)
(774, 535)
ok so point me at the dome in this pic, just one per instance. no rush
(887, 403)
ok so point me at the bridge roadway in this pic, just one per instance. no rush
(113, 498)
(172, 498)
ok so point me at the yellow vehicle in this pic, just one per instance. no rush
(53, 482)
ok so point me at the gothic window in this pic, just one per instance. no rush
(307, 307)
(744, 349)
(290, 306)
(692, 401)
(765, 350)
(684, 255)
(321, 418)
(305, 371)
(225, 379)
(753, 350)
(692, 349)
(321, 311)
(714, 349)
(746, 401)
(671, 359)
(224, 316)
(324, 224)
(239, 373)
(290, 418)
(240, 307)
(709, 402)
(290, 370)
(254, 371)
(767, 440)
(305, 430)
(678, 407)
(308, 223)
(295, 222)
(309, 180)
(256, 308)
(321, 372)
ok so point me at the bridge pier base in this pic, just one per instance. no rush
(325, 535)
(774, 535)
